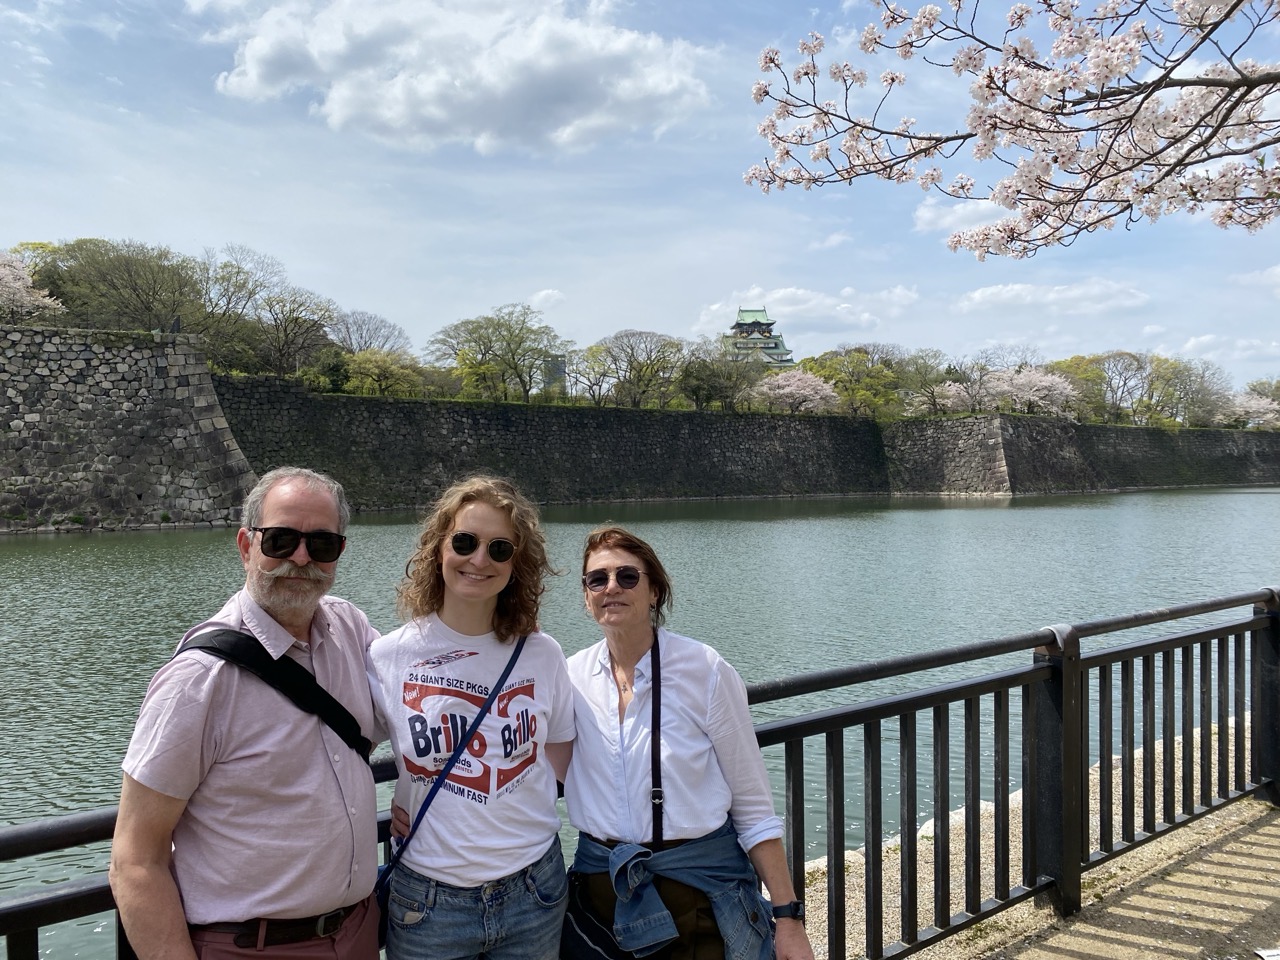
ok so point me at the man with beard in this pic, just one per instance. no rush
(246, 825)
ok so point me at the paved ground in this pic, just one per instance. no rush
(1218, 899)
(1206, 891)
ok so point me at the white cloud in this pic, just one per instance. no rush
(831, 241)
(1088, 297)
(801, 313)
(545, 299)
(1269, 278)
(492, 74)
(1222, 349)
(933, 216)
(1152, 330)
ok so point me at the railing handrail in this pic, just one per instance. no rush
(1124, 622)
(819, 722)
(765, 691)
(51, 834)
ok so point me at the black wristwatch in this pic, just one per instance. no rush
(794, 910)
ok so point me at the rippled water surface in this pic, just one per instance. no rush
(778, 586)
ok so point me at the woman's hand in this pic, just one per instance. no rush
(399, 821)
(790, 941)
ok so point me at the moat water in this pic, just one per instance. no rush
(780, 587)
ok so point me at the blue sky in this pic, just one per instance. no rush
(431, 159)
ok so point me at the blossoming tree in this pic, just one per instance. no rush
(1089, 117)
(1250, 409)
(797, 391)
(20, 301)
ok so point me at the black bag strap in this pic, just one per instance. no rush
(655, 743)
(287, 676)
(384, 877)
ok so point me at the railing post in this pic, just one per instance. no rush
(1059, 840)
(1266, 711)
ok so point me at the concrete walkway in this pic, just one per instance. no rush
(1219, 900)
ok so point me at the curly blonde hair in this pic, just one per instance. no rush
(422, 590)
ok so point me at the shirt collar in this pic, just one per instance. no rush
(274, 638)
(642, 668)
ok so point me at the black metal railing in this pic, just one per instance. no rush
(1215, 686)
(1191, 709)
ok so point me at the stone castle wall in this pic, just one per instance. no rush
(994, 455)
(108, 430)
(105, 430)
(402, 453)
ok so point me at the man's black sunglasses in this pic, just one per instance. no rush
(627, 578)
(464, 545)
(279, 543)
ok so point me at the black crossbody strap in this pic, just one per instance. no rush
(655, 743)
(287, 676)
(384, 877)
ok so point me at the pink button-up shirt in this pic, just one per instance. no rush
(281, 813)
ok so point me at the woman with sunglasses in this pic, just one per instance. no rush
(690, 856)
(483, 875)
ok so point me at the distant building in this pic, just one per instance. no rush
(553, 371)
(752, 338)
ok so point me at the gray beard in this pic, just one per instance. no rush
(285, 598)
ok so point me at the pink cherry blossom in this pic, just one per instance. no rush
(1088, 118)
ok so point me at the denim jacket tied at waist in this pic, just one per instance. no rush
(714, 863)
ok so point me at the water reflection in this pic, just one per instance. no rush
(780, 587)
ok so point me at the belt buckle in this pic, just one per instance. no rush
(322, 929)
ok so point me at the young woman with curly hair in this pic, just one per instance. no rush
(483, 876)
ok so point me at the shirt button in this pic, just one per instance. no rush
(335, 758)
(352, 810)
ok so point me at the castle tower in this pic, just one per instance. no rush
(752, 338)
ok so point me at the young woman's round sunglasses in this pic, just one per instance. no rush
(279, 543)
(627, 578)
(464, 544)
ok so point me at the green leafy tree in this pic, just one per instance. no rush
(384, 373)
(501, 355)
(329, 370)
(438, 383)
(293, 328)
(234, 283)
(121, 285)
(714, 374)
(1089, 382)
(525, 346)
(589, 373)
(866, 384)
(920, 374)
(644, 366)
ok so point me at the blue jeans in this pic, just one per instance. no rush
(516, 917)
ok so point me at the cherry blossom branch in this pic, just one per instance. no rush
(1137, 109)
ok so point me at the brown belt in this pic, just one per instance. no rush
(270, 933)
(668, 844)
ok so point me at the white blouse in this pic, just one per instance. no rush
(711, 763)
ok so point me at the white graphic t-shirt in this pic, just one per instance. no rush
(496, 812)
